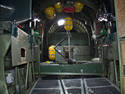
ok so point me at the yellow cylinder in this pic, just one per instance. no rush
(68, 24)
(78, 7)
(50, 12)
(52, 52)
(58, 7)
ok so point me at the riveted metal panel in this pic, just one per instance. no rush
(21, 50)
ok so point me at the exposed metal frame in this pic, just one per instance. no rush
(119, 49)
(71, 69)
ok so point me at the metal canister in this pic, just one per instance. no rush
(68, 24)
(78, 7)
(58, 7)
(50, 12)
(52, 52)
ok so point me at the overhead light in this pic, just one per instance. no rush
(94, 36)
(61, 22)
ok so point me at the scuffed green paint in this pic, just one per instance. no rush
(79, 69)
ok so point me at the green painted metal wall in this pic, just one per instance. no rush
(4, 45)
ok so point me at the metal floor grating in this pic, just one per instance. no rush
(75, 86)
(47, 84)
(103, 90)
(46, 91)
(92, 82)
(72, 82)
(47, 87)
(100, 86)
(74, 91)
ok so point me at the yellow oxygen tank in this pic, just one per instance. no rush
(68, 25)
(78, 7)
(50, 12)
(58, 7)
(52, 52)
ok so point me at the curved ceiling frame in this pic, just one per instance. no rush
(77, 26)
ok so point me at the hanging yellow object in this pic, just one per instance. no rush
(78, 7)
(58, 7)
(68, 25)
(50, 12)
(52, 52)
(47, 62)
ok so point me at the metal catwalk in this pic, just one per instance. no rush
(75, 86)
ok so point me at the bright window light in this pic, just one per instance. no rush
(61, 22)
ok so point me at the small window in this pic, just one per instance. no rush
(23, 52)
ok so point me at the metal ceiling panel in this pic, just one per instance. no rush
(17, 10)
